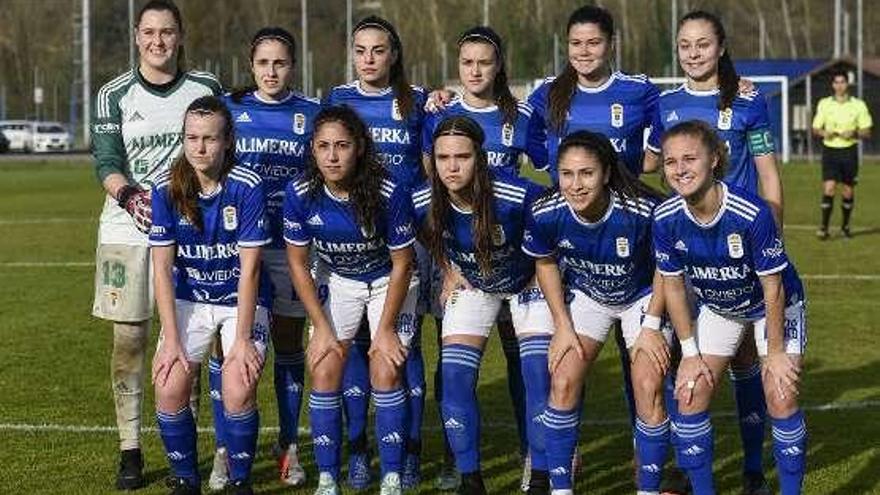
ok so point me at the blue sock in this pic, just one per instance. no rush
(516, 388)
(415, 384)
(695, 445)
(461, 415)
(790, 451)
(178, 431)
(215, 382)
(536, 377)
(325, 416)
(561, 436)
(652, 445)
(356, 390)
(391, 422)
(241, 441)
(752, 411)
(289, 375)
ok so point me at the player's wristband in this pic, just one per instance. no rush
(689, 348)
(651, 321)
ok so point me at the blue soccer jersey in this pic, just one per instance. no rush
(723, 259)
(505, 142)
(511, 269)
(272, 139)
(398, 141)
(610, 260)
(744, 127)
(340, 242)
(623, 109)
(207, 266)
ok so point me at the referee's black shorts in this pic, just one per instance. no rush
(841, 164)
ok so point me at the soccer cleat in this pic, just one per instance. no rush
(755, 484)
(822, 234)
(675, 482)
(290, 470)
(219, 472)
(471, 484)
(526, 478)
(359, 470)
(391, 485)
(180, 486)
(846, 233)
(131, 470)
(326, 485)
(448, 479)
(412, 473)
(242, 487)
(540, 483)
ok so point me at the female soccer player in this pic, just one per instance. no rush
(595, 265)
(473, 222)
(712, 94)
(135, 137)
(273, 126)
(393, 111)
(510, 130)
(360, 225)
(206, 238)
(725, 241)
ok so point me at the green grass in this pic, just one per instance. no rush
(54, 359)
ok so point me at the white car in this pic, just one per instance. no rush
(19, 133)
(50, 136)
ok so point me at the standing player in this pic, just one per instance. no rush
(725, 241)
(393, 112)
(510, 130)
(273, 126)
(841, 120)
(473, 221)
(712, 95)
(361, 227)
(206, 238)
(595, 264)
(135, 137)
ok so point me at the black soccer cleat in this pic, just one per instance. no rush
(539, 483)
(822, 234)
(471, 484)
(180, 486)
(242, 487)
(131, 470)
(846, 232)
(755, 484)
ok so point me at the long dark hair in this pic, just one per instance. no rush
(728, 79)
(165, 6)
(365, 185)
(271, 33)
(397, 76)
(563, 87)
(707, 137)
(620, 180)
(481, 189)
(184, 186)
(500, 89)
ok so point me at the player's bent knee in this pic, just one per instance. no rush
(565, 389)
(383, 375)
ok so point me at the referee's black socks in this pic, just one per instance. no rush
(827, 205)
(846, 207)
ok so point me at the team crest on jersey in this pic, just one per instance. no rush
(507, 134)
(725, 119)
(616, 115)
(735, 246)
(622, 244)
(498, 237)
(395, 110)
(230, 218)
(299, 124)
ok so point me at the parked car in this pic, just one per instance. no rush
(19, 133)
(50, 136)
(4, 143)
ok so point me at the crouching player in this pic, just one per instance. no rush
(208, 229)
(724, 240)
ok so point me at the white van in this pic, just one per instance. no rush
(50, 136)
(19, 133)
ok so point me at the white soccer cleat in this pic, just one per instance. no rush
(449, 479)
(327, 485)
(391, 485)
(220, 472)
(526, 479)
(290, 470)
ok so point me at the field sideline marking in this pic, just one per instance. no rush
(620, 421)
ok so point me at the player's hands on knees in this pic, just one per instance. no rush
(438, 99)
(690, 372)
(784, 373)
(652, 343)
(563, 342)
(168, 354)
(453, 280)
(386, 345)
(321, 344)
(244, 359)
